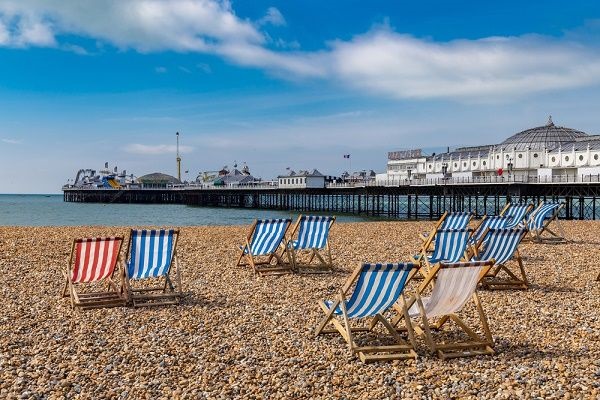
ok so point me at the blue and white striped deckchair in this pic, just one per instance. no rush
(264, 241)
(541, 218)
(491, 222)
(153, 254)
(449, 220)
(502, 246)
(312, 235)
(450, 247)
(378, 288)
(517, 213)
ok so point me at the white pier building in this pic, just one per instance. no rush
(546, 153)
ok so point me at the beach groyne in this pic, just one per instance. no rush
(409, 202)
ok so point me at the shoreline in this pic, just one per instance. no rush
(237, 335)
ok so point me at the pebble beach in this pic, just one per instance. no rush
(237, 335)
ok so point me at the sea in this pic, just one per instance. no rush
(51, 210)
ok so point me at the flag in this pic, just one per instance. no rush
(346, 155)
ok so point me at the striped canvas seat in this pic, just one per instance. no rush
(268, 235)
(456, 220)
(517, 214)
(493, 222)
(454, 284)
(537, 219)
(502, 246)
(313, 232)
(377, 288)
(93, 260)
(450, 245)
(151, 252)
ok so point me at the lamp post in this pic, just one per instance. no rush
(509, 167)
(409, 172)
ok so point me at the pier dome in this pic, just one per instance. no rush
(158, 178)
(548, 137)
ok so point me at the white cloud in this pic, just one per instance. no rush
(273, 17)
(160, 70)
(138, 148)
(380, 62)
(11, 141)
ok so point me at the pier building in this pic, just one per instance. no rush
(542, 154)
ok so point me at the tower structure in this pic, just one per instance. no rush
(178, 159)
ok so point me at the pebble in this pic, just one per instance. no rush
(236, 335)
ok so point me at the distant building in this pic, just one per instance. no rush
(301, 180)
(537, 153)
(157, 180)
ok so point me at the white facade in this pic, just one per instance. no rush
(302, 180)
(538, 153)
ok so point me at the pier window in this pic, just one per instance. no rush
(566, 158)
(520, 155)
(581, 158)
(535, 155)
(553, 159)
(595, 156)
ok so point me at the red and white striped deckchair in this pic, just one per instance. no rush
(93, 263)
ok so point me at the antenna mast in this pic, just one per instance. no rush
(178, 159)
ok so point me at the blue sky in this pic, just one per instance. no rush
(280, 84)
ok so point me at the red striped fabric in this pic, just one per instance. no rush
(95, 258)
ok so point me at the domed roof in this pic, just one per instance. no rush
(158, 178)
(548, 137)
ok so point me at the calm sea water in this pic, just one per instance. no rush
(50, 210)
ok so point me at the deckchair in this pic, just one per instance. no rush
(488, 222)
(539, 221)
(502, 246)
(152, 259)
(378, 288)
(450, 246)
(518, 214)
(453, 220)
(454, 285)
(92, 263)
(265, 244)
(311, 235)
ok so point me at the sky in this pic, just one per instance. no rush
(280, 84)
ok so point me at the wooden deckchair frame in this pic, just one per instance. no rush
(477, 345)
(169, 293)
(400, 351)
(324, 261)
(427, 238)
(264, 265)
(112, 297)
(536, 235)
(515, 280)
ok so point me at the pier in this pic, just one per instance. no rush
(408, 202)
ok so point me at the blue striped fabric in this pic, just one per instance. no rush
(517, 212)
(493, 222)
(377, 289)
(501, 244)
(313, 232)
(456, 220)
(450, 245)
(536, 221)
(268, 234)
(150, 254)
